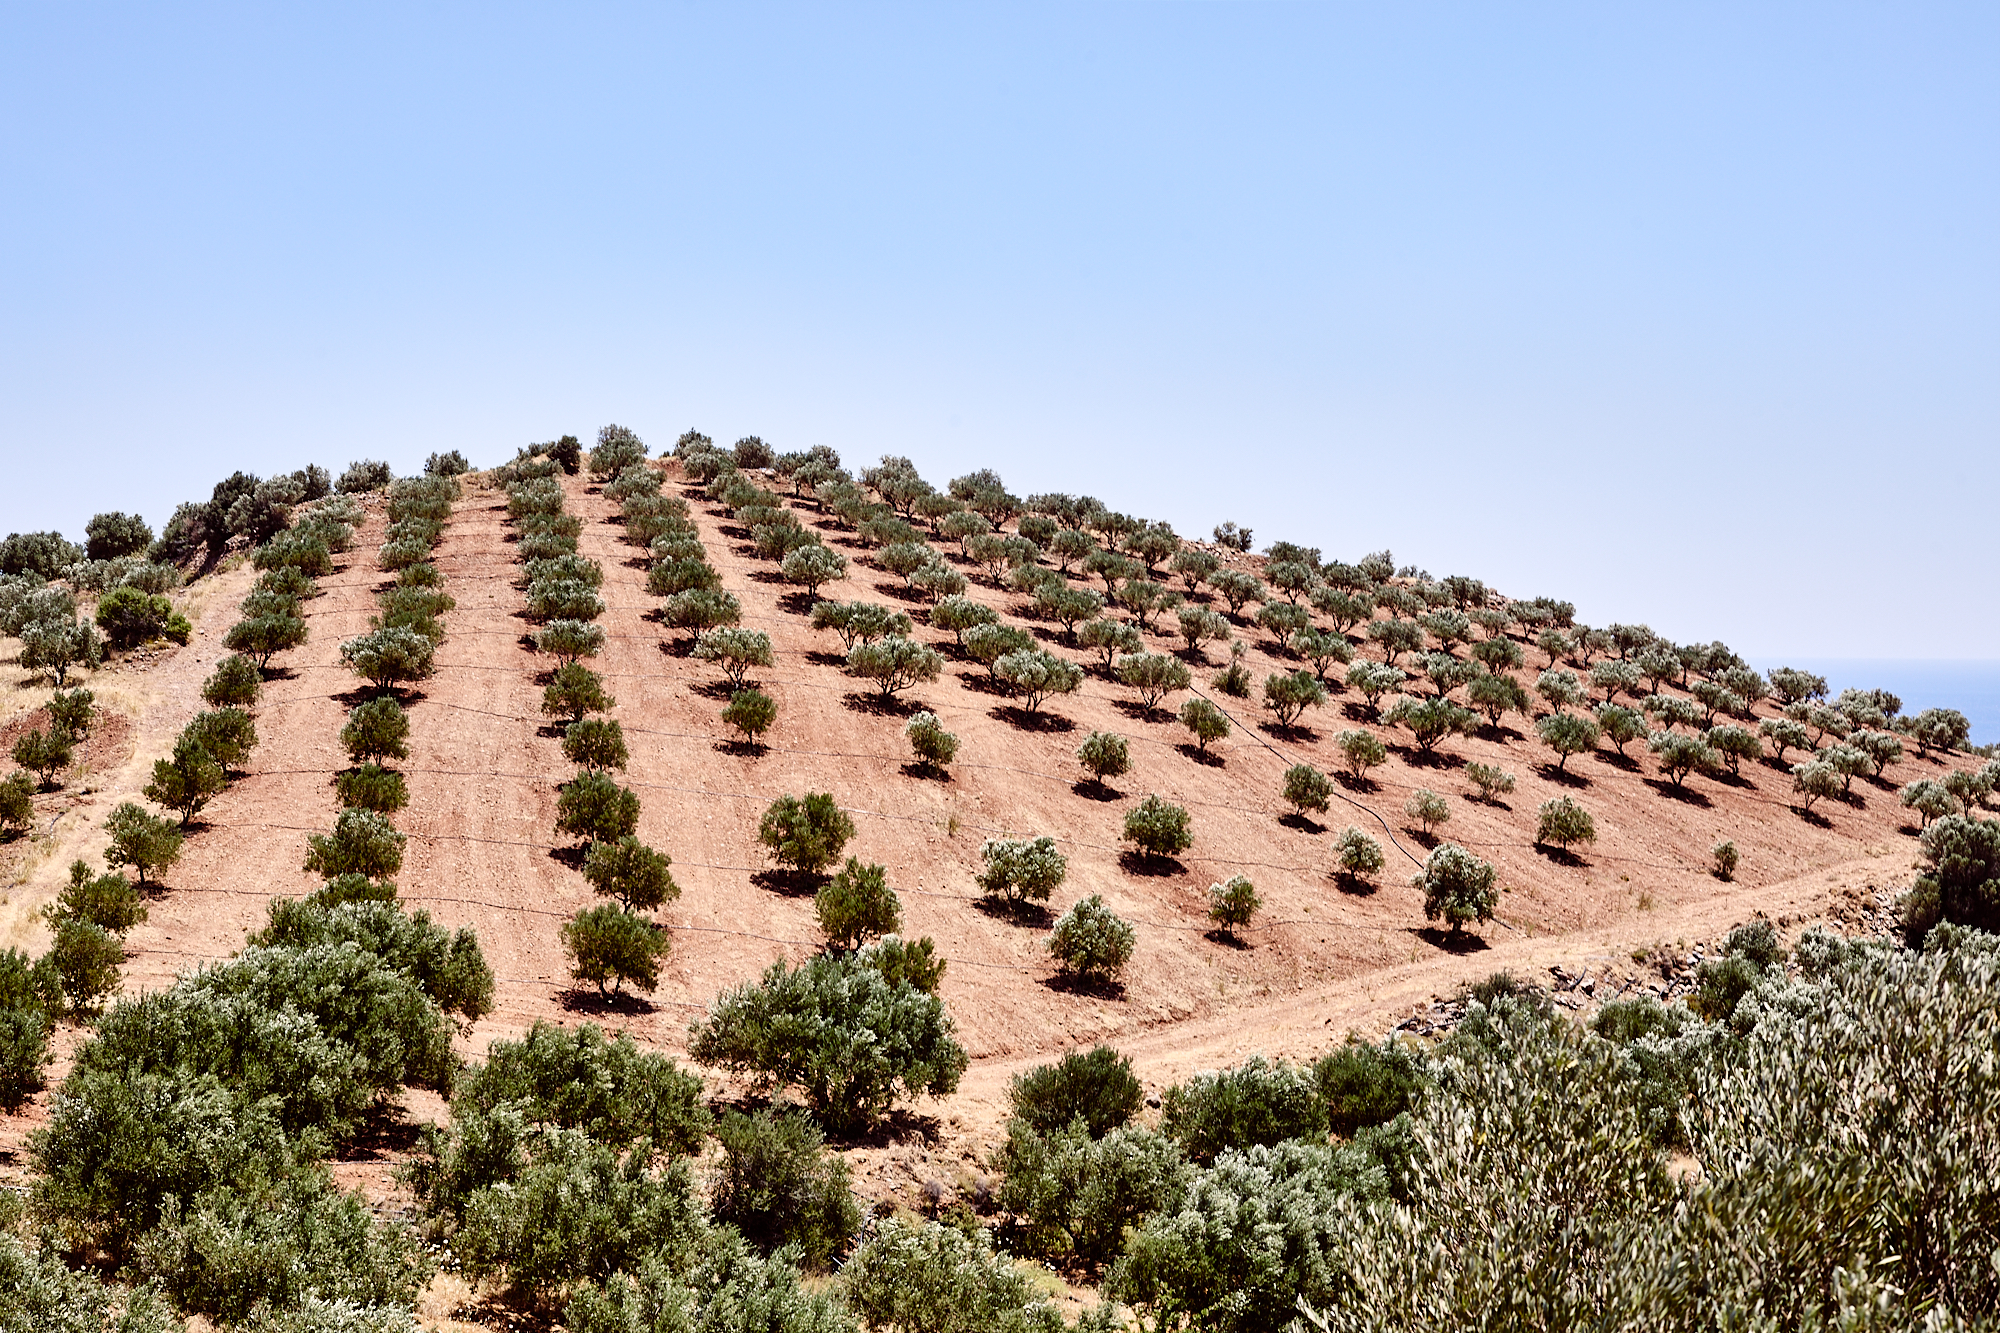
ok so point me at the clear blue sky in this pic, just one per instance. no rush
(1687, 313)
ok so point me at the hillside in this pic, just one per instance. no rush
(1325, 955)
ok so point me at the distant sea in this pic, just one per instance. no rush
(1973, 688)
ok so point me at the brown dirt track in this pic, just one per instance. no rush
(1319, 960)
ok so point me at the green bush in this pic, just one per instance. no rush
(1020, 870)
(264, 637)
(577, 1078)
(1681, 755)
(1096, 1087)
(1091, 942)
(227, 734)
(44, 753)
(17, 803)
(1159, 828)
(372, 787)
(631, 872)
(1104, 754)
(387, 658)
(935, 747)
(1428, 808)
(569, 641)
(1072, 1196)
(894, 663)
(1567, 734)
(904, 962)
(575, 691)
(751, 712)
(1457, 886)
(129, 617)
(1306, 789)
(836, 1029)
(779, 1188)
(857, 905)
(362, 843)
(1109, 638)
(594, 808)
(936, 1279)
(1232, 904)
(723, 1287)
(1562, 821)
(1961, 883)
(1356, 853)
(1205, 721)
(445, 965)
(1257, 1102)
(71, 712)
(595, 743)
(1363, 1086)
(1037, 675)
(805, 833)
(110, 902)
(186, 780)
(1290, 696)
(236, 683)
(608, 943)
(734, 651)
(1153, 676)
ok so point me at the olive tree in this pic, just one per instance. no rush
(1153, 676)
(43, 753)
(1199, 625)
(1375, 679)
(1883, 748)
(1929, 798)
(1104, 755)
(894, 663)
(1362, 750)
(148, 843)
(376, 730)
(1562, 822)
(1681, 755)
(608, 943)
(1567, 734)
(699, 609)
(1356, 854)
(362, 843)
(1396, 637)
(1018, 870)
(1288, 696)
(387, 658)
(1493, 782)
(631, 872)
(1306, 789)
(813, 566)
(1562, 689)
(235, 683)
(1457, 886)
(735, 651)
(1237, 588)
(1429, 720)
(1670, 710)
(575, 691)
(1091, 942)
(934, 747)
(1735, 744)
(1110, 638)
(1037, 675)
(593, 807)
(1158, 827)
(186, 780)
(857, 905)
(1204, 721)
(595, 743)
(805, 833)
(1621, 725)
(1428, 808)
(859, 622)
(1815, 780)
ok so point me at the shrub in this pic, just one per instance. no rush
(735, 651)
(805, 833)
(1233, 904)
(110, 902)
(1493, 782)
(362, 843)
(1969, 788)
(367, 475)
(1017, 870)
(631, 872)
(609, 943)
(1356, 853)
(813, 566)
(147, 843)
(1104, 754)
(1199, 625)
(55, 647)
(376, 730)
(1457, 886)
(1929, 798)
(1735, 744)
(778, 1187)
(596, 743)
(1362, 750)
(1153, 676)
(1681, 754)
(937, 1279)
(387, 658)
(1072, 1196)
(905, 962)
(595, 808)
(894, 663)
(1091, 942)
(1237, 588)
(86, 958)
(935, 747)
(1290, 696)
(264, 637)
(1427, 808)
(1621, 725)
(1306, 789)
(699, 609)
(1363, 1085)
(1256, 1103)
(227, 734)
(670, 578)
(236, 683)
(372, 787)
(575, 691)
(857, 905)
(1567, 734)
(1961, 883)
(1159, 828)
(1726, 857)
(618, 448)
(751, 712)
(43, 753)
(1096, 1087)
(1944, 729)
(840, 1032)
(1815, 781)
(1496, 695)
(1429, 720)
(109, 536)
(1110, 638)
(1883, 748)
(1205, 721)
(860, 622)
(1562, 822)
(129, 617)
(186, 780)
(1037, 675)
(17, 803)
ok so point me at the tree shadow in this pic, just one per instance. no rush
(1094, 789)
(903, 593)
(1419, 758)
(1736, 780)
(1015, 913)
(271, 673)
(1352, 782)
(1909, 830)
(925, 772)
(1453, 942)
(1150, 865)
(718, 689)
(981, 682)
(798, 603)
(624, 1004)
(1026, 719)
(1138, 711)
(900, 1126)
(1226, 939)
(1625, 762)
(1355, 710)
(767, 576)
(386, 1134)
(734, 531)
(1355, 886)
(1300, 821)
(1561, 856)
(1562, 777)
(527, 641)
(742, 749)
(677, 647)
(1071, 983)
(573, 857)
(1813, 817)
(1490, 802)
(1205, 758)
(877, 704)
(637, 562)
(1423, 837)
(789, 883)
(1685, 795)
(819, 657)
(553, 731)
